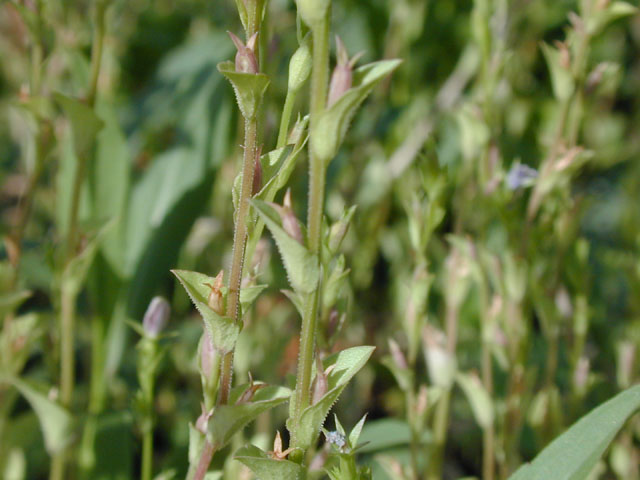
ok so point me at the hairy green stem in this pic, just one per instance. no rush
(317, 168)
(235, 277)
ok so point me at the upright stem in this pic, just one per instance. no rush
(317, 167)
(235, 277)
(69, 293)
(488, 434)
(441, 416)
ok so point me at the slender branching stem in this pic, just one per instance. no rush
(317, 168)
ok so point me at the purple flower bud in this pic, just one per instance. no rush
(156, 317)
(290, 223)
(342, 76)
(246, 61)
(321, 383)
(208, 357)
(520, 176)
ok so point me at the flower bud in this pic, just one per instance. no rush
(290, 223)
(156, 317)
(209, 358)
(216, 299)
(397, 355)
(339, 229)
(299, 67)
(248, 394)
(321, 383)
(246, 61)
(342, 76)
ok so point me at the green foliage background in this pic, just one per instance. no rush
(426, 162)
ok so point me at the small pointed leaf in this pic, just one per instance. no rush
(249, 88)
(346, 364)
(222, 330)
(301, 265)
(561, 76)
(478, 397)
(248, 295)
(231, 418)
(267, 468)
(55, 421)
(332, 125)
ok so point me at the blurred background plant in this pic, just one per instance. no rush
(494, 251)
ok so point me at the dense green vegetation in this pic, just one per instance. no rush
(440, 233)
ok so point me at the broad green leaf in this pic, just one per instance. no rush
(188, 97)
(85, 124)
(346, 364)
(332, 125)
(386, 433)
(301, 265)
(109, 181)
(561, 76)
(222, 330)
(248, 87)
(478, 397)
(266, 468)
(55, 421)
(231, 418)
(574, 454)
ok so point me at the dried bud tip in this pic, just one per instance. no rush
(216, 299)
(156, 317)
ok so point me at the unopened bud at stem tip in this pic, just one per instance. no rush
(156, 317)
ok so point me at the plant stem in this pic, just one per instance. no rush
(286, 118)
(488, 434)
(147, 454)
(317, 167)
(441, 416)
(235, 277)
(68, 292)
